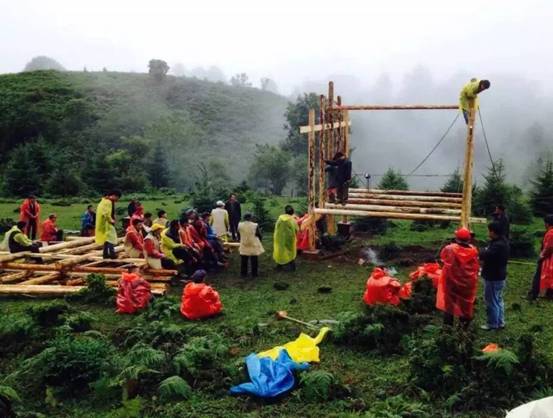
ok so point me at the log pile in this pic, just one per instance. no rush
(400, 204)
(61, 269)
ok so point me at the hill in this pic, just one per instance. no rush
(93, 125)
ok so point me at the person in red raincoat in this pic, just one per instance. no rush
(543, 278)
(50, 231)
(133, 292)
(198, 299)
(302, 237)
(457, 285)
(382, 289)
(29, 212)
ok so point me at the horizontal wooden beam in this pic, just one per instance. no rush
(396, 107)
(318, 128)
(405, 192)
(52, 290)
(393, 215)
(406, 203)
(398, 209)
(407, 197)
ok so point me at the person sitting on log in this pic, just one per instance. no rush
(470, 92)
(152, 250)
(50, 231)
(457, 286)
(342, 176)
(16, 241)
(134, 240)
(88, 221)
(200, 300)
(175, 250)
(212, 238)
(198, 235)
(162, 218)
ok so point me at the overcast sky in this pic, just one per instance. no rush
(290, 41)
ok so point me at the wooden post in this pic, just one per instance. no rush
(322, 188)
(345, 118)
(311, 176)
(466, 207)
(330, 146)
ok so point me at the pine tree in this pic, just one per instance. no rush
(21, 177)
(393, 180)
(158, 172)
(454, 183)
(494, 192)
(541, 197)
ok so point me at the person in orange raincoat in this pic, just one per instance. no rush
(302, 236)
(382, 288)
(543, 278)
(50, 231)
(133, 292)
(198, 299)
(29, 212)
(457, 285)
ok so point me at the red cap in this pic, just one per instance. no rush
(462, 234)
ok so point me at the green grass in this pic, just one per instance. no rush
(249, 325)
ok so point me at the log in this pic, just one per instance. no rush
(405, 192)
(376, 208)
(397, 107)
(317, 128)
(469, 163)
(52, 290)
(47, 278)
(12, 257)
(83, 249)
(393, 215)
(407, 197)
(67, 244)
(407, 203)
(14, 276)
(30, 267)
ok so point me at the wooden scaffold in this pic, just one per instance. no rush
(332, 135)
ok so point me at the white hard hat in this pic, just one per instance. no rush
(220, 203)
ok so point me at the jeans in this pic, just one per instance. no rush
(466, 116)
(495, 308)
(535, 290)
(244, 265)
(109, 250)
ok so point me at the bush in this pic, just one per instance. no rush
(15, 332)
(6, 224)
(96, 291)
(374, 226)
(318, 386)
(174, 388)
(48, 314)
(80, 322)
(522, 243)
(389, 251)
(423, 297)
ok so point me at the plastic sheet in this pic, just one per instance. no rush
(200, 301)
(269, 378)
(133, 293)
(381, 288)
(302, 349)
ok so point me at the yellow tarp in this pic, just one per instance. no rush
(303, 348)
(284, 239)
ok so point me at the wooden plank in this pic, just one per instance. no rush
(407, 197)
(469, 162)
(52, 290)
(405, 192)
(398, 107)
(317, 128)
(12, 277)
(6, 258)
(392, 215)
(378, 208)
(407, 203)
(47, 278)
(67, 244)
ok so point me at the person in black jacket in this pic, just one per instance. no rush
(234, 214)
(500, 216)
(494, 272)
(342, 176)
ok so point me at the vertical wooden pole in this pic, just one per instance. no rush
(466, 207)
(340, 130)
(322, 145)
(345, 118)
(331, 145)
(311, 177)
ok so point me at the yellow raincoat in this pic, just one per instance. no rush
(105, 230)
(167, 247)
(468, 93)
(284, 239)
(303, 348)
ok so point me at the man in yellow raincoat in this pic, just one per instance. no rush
(470, 92)
(105, 223)
(284, 240)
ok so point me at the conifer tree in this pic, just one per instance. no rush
(541, 197)
(393, 180)
(454, 183)
(158, 173)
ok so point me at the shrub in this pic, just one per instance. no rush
(48, 314)
(6, 224)
(174, 388)
(423, 297)
(15, 331)
(389, 251)
(96, 291)
(374, 226)
(522, 243)
(80, 322)
(317, 386)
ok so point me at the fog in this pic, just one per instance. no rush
(399, 51)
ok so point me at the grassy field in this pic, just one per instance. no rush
(248, 325)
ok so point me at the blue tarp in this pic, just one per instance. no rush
(269, 377)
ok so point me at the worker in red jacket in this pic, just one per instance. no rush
(50, 231)
(200, 300)
(458, 283)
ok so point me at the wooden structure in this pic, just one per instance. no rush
(61, 269)
(331, 135)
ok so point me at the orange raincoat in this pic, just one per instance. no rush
(200, 301)
(24, 210)
(133, 293)
(546, 279)
(382, 288)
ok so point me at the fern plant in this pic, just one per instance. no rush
(317, 386)
(174, 388)
(503, 359)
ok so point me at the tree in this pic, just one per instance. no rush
(268, 85)
(541, 196)
(494, 192)
(240, 80)
(158, 69)
(393, 180)
(20, 177)
(270, 168)
(454, 183)
(43, 62)
(296, 115)
(158, 173)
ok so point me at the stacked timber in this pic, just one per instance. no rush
(61, 269)
(400, 204)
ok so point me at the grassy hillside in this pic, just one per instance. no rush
(84, 113)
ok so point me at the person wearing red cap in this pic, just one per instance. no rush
(457, 285)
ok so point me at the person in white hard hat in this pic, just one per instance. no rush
(219, 221)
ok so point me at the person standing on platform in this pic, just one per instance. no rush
(106, 234)
(470, 92)
(342, 176)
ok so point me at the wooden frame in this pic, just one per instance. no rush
(333, 136)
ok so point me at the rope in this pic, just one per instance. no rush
(486, 141)
(436, 146)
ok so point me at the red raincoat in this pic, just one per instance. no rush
(49, 231)
(133, 293)
(457, 285)
(431, 270)
(24, 210)
(382, 288)
(302, 237)
(546, 279)
(200, 301)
